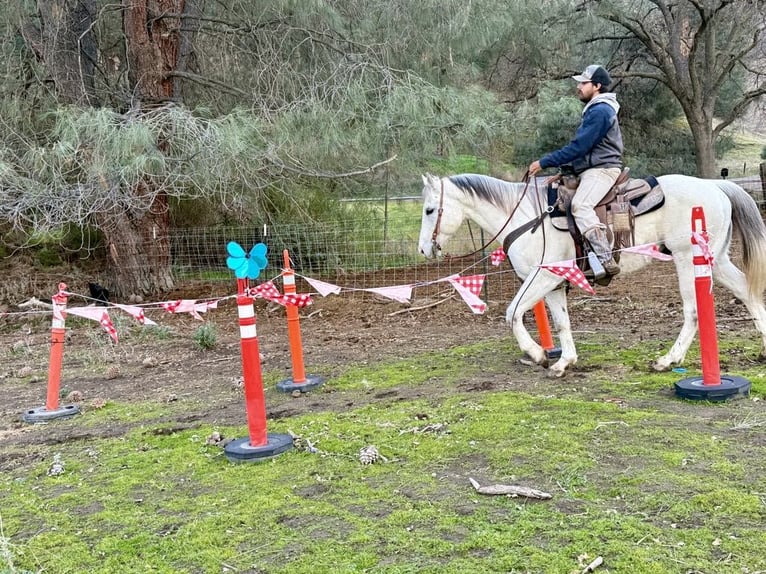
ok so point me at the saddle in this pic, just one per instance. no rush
(628, 199)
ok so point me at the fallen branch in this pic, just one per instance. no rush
(434, 304)
(510, 490)
(35, 302)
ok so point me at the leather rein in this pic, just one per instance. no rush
(510, 238)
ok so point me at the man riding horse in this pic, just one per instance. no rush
(595, 154)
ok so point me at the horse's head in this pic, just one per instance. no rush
(441, 216)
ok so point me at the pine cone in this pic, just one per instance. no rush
(112, 373)
(74, 397)
(369, 455)
(98, 403)
(57, 467)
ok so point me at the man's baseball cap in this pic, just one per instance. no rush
(595, 74)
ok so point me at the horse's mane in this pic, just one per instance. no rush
(490, 189)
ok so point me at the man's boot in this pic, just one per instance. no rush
(599, 242)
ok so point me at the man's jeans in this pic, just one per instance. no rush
(595, 183)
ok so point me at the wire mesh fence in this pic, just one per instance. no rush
(378, 249)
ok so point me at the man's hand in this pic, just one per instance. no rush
(534, 167)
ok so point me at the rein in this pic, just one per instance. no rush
(513, 236)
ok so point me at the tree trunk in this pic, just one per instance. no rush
(138, 251)
(65, 42)
(704, 147)
(139, 248)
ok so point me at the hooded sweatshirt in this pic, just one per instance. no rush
(597, 142)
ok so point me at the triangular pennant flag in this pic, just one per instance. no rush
(401, 293)
(266, 291)
(469, 294)
(473, 283)
(324, 289)
(650, 250)
(136, 312)
(497, 256)
(571, 272)
(106, 323)
(185, 306)
(96, 314)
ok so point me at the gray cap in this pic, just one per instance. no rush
(595, 74)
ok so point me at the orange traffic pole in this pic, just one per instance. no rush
(260, 444)
(299, 381)
(293, 323)
(52, 410)
(712, 386)
(544, 329)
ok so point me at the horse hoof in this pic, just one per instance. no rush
(530, 362)
(660, 368)
(556, 374)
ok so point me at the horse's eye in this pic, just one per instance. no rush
(429, 210)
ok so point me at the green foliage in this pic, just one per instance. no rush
(548, 125)
(206, 336)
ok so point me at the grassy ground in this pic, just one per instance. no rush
(650, 483)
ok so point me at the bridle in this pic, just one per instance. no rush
(531, 224)
(435, 247)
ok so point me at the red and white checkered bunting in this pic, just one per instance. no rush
(473, 283)
(497, 257)
(650, 250)
(96, 314)
(701, 240)
(297, 299)
(270, 292)
(571, 272)
(136, 312)
(106, 323)
(469, 289)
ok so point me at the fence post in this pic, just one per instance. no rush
(712, 386)
(762, 202)
(52, 410)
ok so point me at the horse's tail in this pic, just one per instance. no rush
(752, 232)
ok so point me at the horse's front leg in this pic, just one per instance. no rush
(557, 304)
(534, 288)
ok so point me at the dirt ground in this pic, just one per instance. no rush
(202, 387)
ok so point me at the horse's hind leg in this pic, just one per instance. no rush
(728, 275)
(677, 352)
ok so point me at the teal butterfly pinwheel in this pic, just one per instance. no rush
(246, 265)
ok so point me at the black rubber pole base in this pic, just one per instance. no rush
(729, 387)
(43, 415)
(240, 450)
(289, 385)
(554, 353)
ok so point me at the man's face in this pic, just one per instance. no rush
(586, 91)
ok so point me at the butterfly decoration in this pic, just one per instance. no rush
(246, 265)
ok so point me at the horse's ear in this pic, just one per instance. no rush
(426, 177)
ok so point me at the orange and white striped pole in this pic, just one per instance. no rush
(260, 444)
(52, 409)
(712, 386)
(299, 381)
